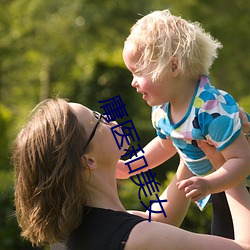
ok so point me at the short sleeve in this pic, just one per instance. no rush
(162, 136)
(159, 121)
(219, 120)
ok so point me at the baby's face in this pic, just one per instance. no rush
(152, 92)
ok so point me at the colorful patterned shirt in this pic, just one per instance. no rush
(213, 115)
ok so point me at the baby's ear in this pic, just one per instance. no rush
(175, 66)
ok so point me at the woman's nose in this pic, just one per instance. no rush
(113, 123)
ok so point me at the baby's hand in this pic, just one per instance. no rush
(194, 187)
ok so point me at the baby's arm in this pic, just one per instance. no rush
(156, 152)
(234, 171)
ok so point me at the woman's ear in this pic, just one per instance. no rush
(90, 161)
(175, 66)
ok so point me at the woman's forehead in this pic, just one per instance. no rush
(78, 108)
(84, 115)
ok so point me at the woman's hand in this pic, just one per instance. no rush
(245, 124)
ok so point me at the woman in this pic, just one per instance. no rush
(65, 189)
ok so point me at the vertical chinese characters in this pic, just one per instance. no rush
(114, 108)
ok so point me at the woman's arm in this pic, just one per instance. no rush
(160, 236)
(177, 205)
(239, 203)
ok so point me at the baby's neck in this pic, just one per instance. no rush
(180, 105)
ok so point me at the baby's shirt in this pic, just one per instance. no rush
(213, 115)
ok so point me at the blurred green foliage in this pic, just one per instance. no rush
(72, 48)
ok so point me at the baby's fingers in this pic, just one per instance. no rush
(184, 183)
(194, 195)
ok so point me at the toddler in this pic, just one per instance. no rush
(170, 59)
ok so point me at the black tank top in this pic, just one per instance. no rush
(102, 229)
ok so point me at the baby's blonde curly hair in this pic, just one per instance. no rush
(160, 36)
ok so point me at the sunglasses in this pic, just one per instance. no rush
(100, 118)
